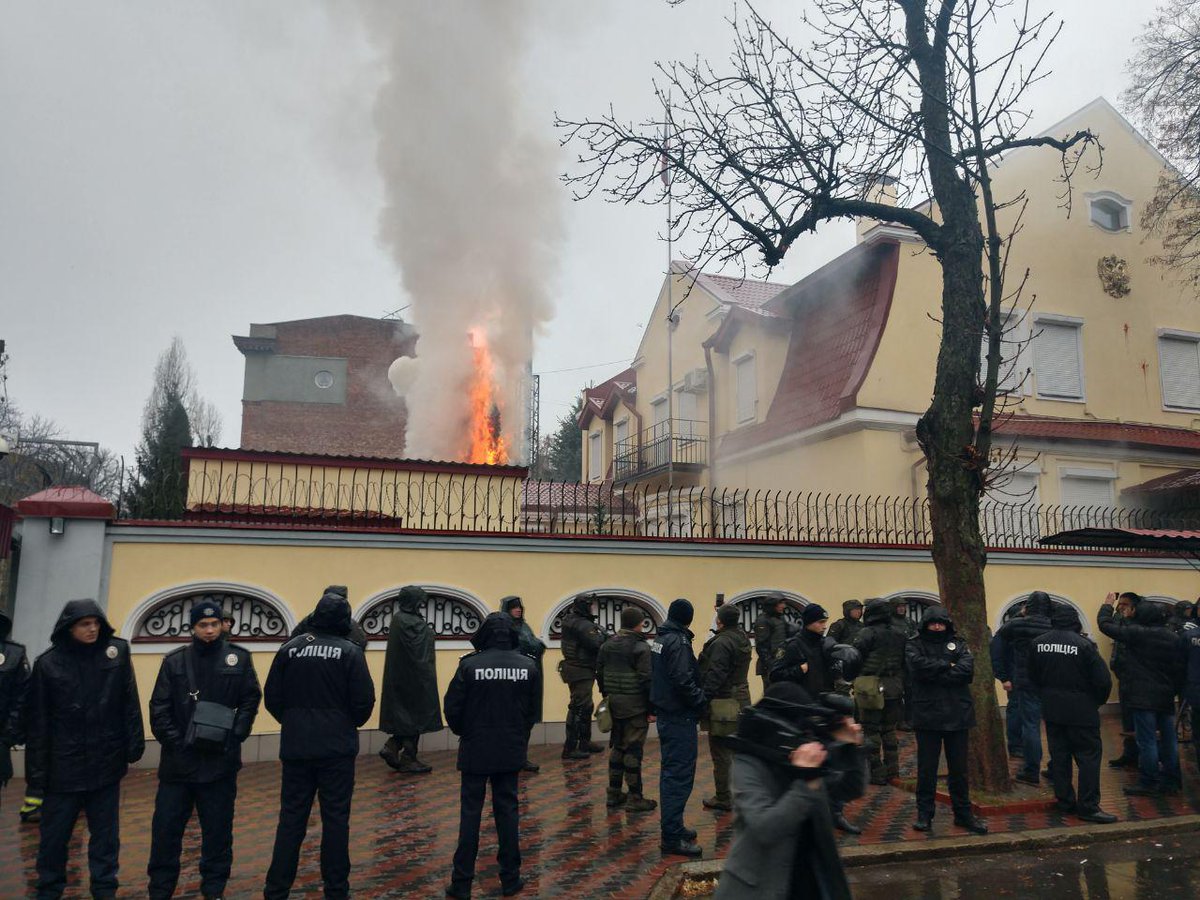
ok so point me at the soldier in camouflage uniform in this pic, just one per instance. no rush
(623, 670)
(724, 669)
(881, 645)
(581, 642)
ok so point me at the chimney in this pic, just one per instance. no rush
(880, 189)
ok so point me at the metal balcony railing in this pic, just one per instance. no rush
(683, 442)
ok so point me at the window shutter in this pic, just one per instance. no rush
(660, 410)
(1180, 363)
(594, 456)
(747, 391)
(620, 435)
(1078, 491)
(1056, 360)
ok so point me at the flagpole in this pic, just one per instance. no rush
(670, 324)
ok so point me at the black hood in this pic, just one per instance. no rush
(332, 615)
(935, 612)
(1150, 613)
(497, 632)
(1064, 618)
(1039, 604)
(411, 597)
(878, 612)
(72, 612)
(582, 605)
(509, 603)
(5, 626)
(848, 605)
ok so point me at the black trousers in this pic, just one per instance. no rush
(59, 813)
(213, 802)
(507, 815)
(929, 752)
(1082, 744)
(332, 781)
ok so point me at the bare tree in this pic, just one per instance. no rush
(1165, 97)
(42, 456)
(788, 136)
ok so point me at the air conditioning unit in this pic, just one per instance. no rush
(696, 381)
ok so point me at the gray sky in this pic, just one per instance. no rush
(172, 167)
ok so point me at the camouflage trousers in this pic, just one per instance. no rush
(625, 742)
(879, 734)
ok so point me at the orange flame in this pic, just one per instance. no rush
(487, 444)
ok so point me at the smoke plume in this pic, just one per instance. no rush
(472, 212)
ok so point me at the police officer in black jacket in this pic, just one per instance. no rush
(678, 701)
(490, 705)
(321, 692)
(1073, 681)
(199, 774)
(85, 729)
(1018, 634)
(14, 686)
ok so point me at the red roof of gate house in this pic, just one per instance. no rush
(68, 501)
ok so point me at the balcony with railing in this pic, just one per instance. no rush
(681, 443)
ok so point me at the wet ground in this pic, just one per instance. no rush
(1162, 868)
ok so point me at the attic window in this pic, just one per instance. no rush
(1109, 212)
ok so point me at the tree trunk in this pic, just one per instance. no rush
(946, 433)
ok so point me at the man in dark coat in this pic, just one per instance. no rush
(193, 774)
(533, 647)
(84, 731)
(942, 669)
(1154, 674)
(1074, 683)
(355, 635)
(770, 631)
(1191, 690)
(14, 687)
(581, 642)
(489, 705)
(846, 629)
(899, 606)
(724, 670)
(321, 692)
(1001, 653)
(408, 705)
(623, 671)
(1019, 632)
(881, 646)
(677, 699)
(783, 842)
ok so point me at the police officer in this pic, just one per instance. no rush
(846, 629)
(1073, 682)
(770, 631)
(1019, 632)
(1191, 690)
(321, 692)
(881, 645)
(14, 686)
(677, 700)
(85, 729)
(490, 706)
(581, 642)
(623, 671)
(199, 773)
(724, 670)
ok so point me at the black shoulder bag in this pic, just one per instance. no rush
(211, 722)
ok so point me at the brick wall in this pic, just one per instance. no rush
(372, 420)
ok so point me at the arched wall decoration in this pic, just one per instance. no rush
(752, 606)
(452, 613)
(609, 603)
(165, 616)
(1009, 609)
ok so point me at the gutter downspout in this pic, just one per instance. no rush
(712, 438)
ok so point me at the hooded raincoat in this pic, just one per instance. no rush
(529, 644)
(409, 698)
(14, 686)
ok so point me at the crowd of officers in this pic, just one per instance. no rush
(79, 716)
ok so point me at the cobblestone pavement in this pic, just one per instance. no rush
(404, 829)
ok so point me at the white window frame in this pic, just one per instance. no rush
(1113, 197)
(1068, 321)
(595, 456)
(750, 358)
(1173, 334)
(1080, 472)
(659, 403)
(618, 437)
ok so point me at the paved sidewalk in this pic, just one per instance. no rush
(404, 829)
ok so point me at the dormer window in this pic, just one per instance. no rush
(1109, 211)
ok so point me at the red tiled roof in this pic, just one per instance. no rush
(68, 501)
(560, 496)
(1183, 480)
(743, 292)
(599, 400)
(1131, 433)
(838, 314)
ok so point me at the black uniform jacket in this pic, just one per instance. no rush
(881, 644)
(674, 673)
(1069, 673)
(941, 668)
(770, 631)
(1152, 671)
(490, 706)
(582, 639)
(84, 716)
(623, 672)
(321, 692)
(224, 674)
(725, 665)
(14, 688)
(1018, 633)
